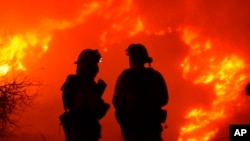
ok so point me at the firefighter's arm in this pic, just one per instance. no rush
(162, 90)
(119, 99)
(101, 86)
(248, 89)
(67, 91)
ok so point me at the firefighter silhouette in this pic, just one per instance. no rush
(82, 100)
(140, 93)
(248, 89)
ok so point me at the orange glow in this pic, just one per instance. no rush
(139, 27)
(221, 70)
(62, 29)
(87, 10)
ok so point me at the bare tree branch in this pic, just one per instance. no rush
(16, 95)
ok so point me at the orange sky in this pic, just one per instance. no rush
(111, 26)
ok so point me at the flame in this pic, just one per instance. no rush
(14, 49)
(17, 47)
(125, 21)
(224, 72)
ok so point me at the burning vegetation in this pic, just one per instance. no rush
(16, 48)
(225, 72)
(17, 89)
